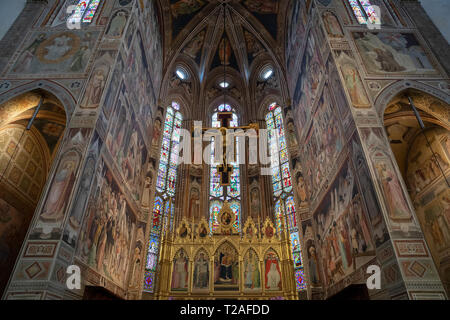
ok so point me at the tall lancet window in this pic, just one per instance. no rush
(163, 207)
(282, 187)
(84, 11)
(217, 193)
(364, 11)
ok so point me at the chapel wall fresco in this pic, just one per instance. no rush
(25, 161)
(430, 194)
(93, 210)
(351, 70)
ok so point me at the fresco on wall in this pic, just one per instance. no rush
(425, 167)
(296, 33)
(352, 79)
(392, 53)
(51, 131)
(226, 268)
(319, 33)
(106, 239)
(127, 147)
(61, 186)
(322, 145)
(428, 189)
(194, 48)
(201, 271)
(380, 233)
(387, 177)
(53, 52)
(272, 272)
(307, 83)
(23, 164)
(153, 43)
(253, 45)
(82, 195)
(138, 81)
(311, 251)
(332, 25)
(139, 248)
(251, 272)
(300, 185)
(112, 91)
(435, 219)
(340, 99)
(343, 232)
(117, 24)
(97, 80)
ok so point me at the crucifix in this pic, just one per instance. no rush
(225, 169)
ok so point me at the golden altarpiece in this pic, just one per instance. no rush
(198, 264)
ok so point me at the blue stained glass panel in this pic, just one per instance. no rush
(284, 156)
(300, 280)
(295, 241)
(151, 262)
(161, 180)
(296, 256)
(278, 214)
(153, 244)
(215, 208)
(148, 281)
(276, 176)
(236, 208)
(157, 213)
(90, 13)
(357, 11)
(172, 181)
(285, 170)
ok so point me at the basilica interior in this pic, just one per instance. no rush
(112, 114)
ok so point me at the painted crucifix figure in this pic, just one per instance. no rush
(225, 168)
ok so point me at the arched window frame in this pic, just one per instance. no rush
(364, 11)
(284, 208)
(85, 11)
(163, 205)
(217, 193)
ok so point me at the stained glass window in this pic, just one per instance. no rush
(218, 193)
(300, 280)
(163, 206)
(85, 11)
(148, 280)
(168, 162)
(90, 12)
(281, 177)
(214, 209)
(364, 11)
(284, 209)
